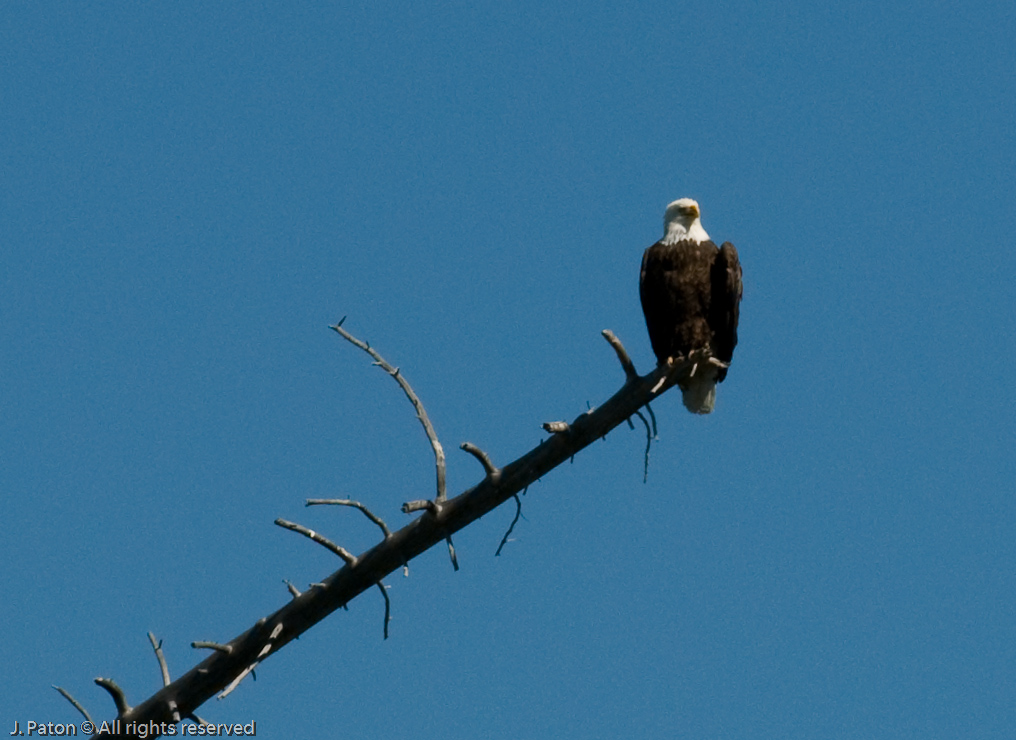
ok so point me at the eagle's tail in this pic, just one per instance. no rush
(699, 394)
(698, 388)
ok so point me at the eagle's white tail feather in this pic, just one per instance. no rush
(699, 394)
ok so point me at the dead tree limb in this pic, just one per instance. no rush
(74, 702)
(157, 647)
(630, 374)
(649, 443)
(119, 698)
(354, 504)
(223, 670)
(488, 467)
(518, 513)
(310, 534)
(421, 414)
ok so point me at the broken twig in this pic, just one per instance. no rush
(488, 467)
(421, 505)
(119, 698)
(225, 649)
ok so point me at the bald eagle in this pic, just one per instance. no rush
(691, 291)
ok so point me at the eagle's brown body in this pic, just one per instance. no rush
(691, 292)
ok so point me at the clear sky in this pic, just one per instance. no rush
(192, 192)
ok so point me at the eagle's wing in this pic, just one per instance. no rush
(655, 307)
(725, 304)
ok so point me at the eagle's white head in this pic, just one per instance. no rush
(681, 222)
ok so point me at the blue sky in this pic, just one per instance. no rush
(191, 194)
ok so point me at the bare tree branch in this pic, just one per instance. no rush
(652, 416)
(649, 441)
(518, 513)
(630, 373)
(320, 539)
(223, 670)
(421, 414)
(355, 504)
(388, 606)
(421, 505)
(157, 647)
(227, 649)
(74, 702)
(266, 648)
(451, 553)
(119, 698)
(488, 467)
